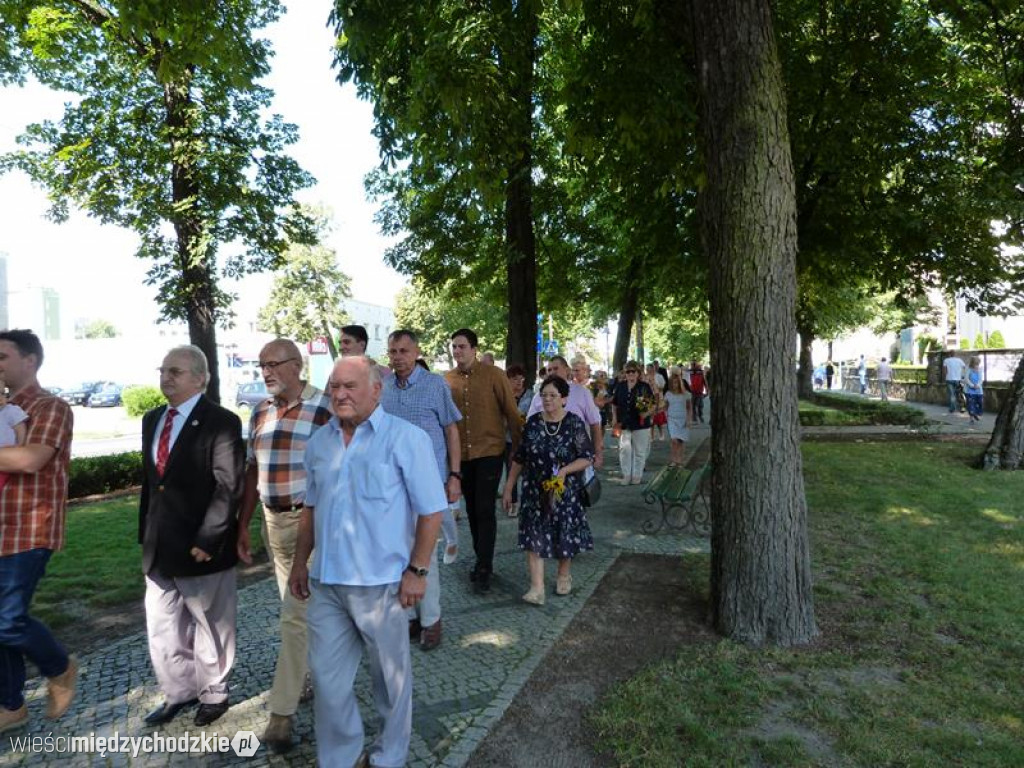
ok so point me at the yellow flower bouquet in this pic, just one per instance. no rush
(555, 486)
(646, 405)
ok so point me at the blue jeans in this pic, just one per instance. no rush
(951, 391)
(20, 634)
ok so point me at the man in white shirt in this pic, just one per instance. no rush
(884, 376)
(953, 368)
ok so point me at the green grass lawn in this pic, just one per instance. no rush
(918, 562)
(101, 564)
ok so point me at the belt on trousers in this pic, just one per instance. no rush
(291, 508)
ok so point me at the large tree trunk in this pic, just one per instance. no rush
(627, 316)
(1006, 446)
(805, 369)
(521, 256)
(198, 285)
(760, 565)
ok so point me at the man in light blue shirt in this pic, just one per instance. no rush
(373, 509)
(425, 399)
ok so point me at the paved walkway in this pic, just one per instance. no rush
(491, 646)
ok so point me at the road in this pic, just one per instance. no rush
(101, 431)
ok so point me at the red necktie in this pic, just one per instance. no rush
(163, 448)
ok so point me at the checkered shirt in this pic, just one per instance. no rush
(278, 434)
(424, 399)
(33, 504)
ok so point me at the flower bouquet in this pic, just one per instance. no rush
(646, 405)
(552, 490)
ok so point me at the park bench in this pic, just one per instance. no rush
(678, 488)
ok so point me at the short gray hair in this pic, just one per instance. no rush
(199, 366)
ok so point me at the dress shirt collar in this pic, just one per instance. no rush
(413, 378)
(185, 409)
(374, 420)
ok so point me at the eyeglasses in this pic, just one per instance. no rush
(172, 372)
(272, 366)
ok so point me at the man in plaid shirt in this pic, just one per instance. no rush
(278, 431)
(32, 507)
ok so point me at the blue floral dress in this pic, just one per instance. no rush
(549, 528)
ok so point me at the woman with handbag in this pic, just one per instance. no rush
(554, 452)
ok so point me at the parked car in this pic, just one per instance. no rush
(79, 394)
(107, 395)
(250, 394)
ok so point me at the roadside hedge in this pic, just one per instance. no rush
(90, 475)
(138, 400)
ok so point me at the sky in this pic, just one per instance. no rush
(89, 263)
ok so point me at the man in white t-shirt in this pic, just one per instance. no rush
(953, 369)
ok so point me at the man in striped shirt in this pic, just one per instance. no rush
(279, 429)
(32, 509)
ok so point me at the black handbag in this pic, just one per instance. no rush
(592, 491)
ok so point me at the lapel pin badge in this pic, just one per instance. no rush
(195, 422)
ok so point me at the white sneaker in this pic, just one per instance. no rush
(451, 554)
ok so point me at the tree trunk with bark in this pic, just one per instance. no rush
(197, 285)
(1005, 448)
(627, 316)
(761, 577)
(521, 250)
(805, 368)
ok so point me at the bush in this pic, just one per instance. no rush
(138, 400)
(979, 342)
(90, 475)
(965, 344)
(996, 340)
(872, 411)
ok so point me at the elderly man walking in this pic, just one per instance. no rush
(424, 399)
(32, 514)
(483, 395)
(279, 429)
(371, 517)
(192, 457)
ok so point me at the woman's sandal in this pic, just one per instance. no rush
(563, 585)
(534, 598)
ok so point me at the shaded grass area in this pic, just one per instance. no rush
(917, 562)
(101, 564)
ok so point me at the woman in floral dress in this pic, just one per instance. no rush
(554, 451)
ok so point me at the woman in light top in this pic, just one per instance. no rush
(679, 409)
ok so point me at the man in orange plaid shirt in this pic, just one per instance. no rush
(32, 507)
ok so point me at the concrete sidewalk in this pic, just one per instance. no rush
(492, 644)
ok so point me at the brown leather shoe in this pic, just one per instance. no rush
(61, 690)
(415, 628)
(431, 637)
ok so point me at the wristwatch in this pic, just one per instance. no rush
(453, 473)
(421, 572)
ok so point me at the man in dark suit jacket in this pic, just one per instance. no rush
(192, 486)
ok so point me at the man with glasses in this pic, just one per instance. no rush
(279, 429)
(192, 459)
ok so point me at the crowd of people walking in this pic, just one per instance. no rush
(357, 483)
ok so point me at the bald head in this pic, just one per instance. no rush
(354, 388)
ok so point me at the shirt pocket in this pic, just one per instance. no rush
(379, 481)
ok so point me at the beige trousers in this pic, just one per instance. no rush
(280, 530)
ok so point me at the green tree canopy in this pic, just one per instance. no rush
(166, 137)
(305, 300)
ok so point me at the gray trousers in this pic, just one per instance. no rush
(190, 622)
(342, 622)
(428, 610)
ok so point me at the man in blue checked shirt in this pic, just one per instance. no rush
(372, 511)
(425, 399)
